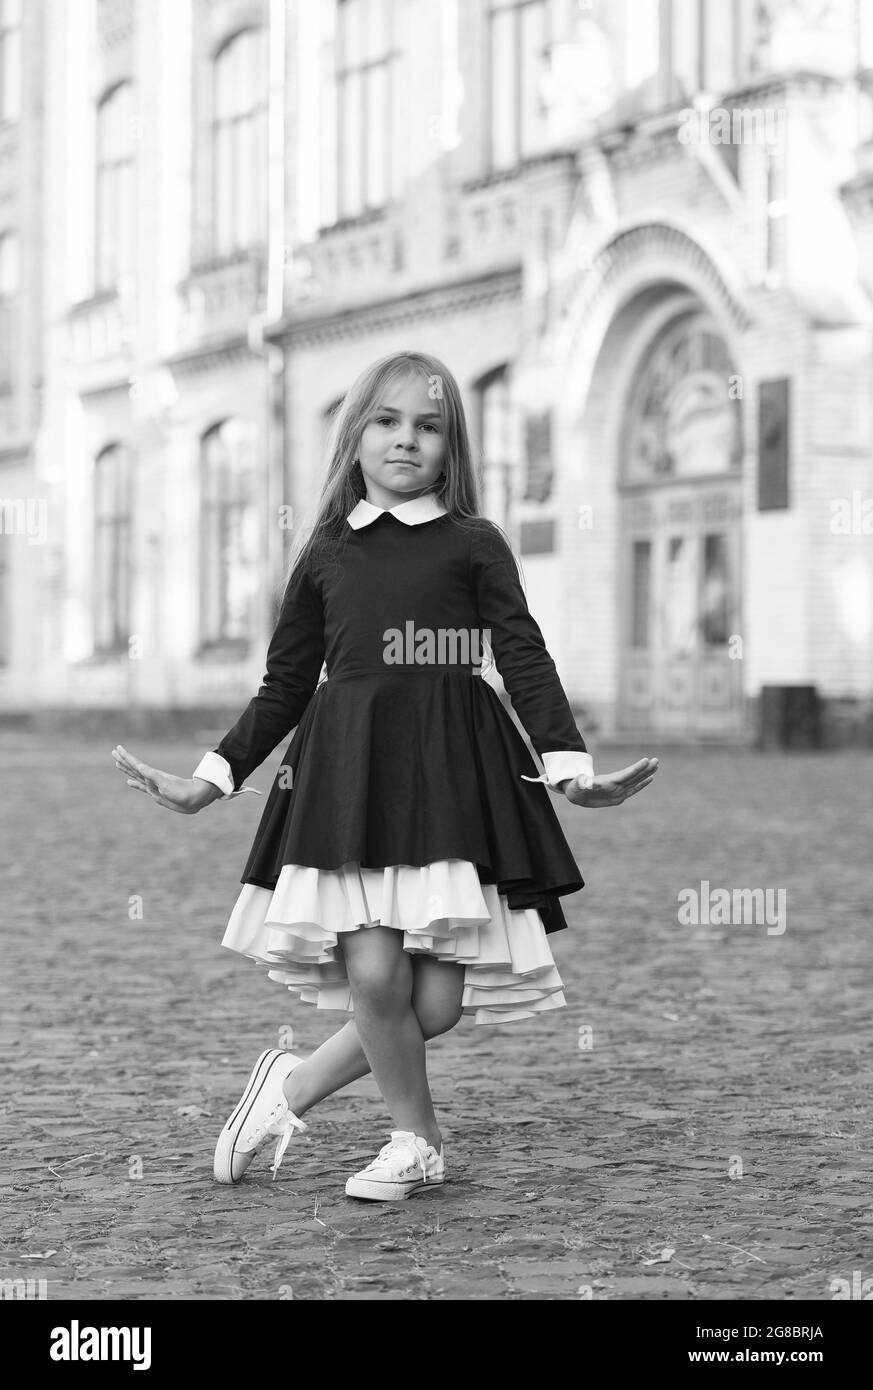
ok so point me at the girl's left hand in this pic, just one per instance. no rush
(611, 788)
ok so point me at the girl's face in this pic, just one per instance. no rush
(402, 446)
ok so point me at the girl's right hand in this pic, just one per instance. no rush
(187, 795)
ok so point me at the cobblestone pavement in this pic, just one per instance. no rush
(709, 1137)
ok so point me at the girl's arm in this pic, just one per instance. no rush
(294, 661)
(531, 679)
(526, 668)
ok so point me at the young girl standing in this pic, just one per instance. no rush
(408, 865)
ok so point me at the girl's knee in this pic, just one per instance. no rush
(380, 979)
(438, 1018)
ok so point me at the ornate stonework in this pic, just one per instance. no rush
(464, 298)
(664, 243)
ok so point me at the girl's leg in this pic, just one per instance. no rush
(437, 989)
(436, 1000)
(380, 975)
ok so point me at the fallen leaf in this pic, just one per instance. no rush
(666, 1254)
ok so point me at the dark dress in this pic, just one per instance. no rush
(407, 764)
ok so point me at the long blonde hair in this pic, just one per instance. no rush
(325, 530)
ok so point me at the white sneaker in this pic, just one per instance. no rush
(403, 1166)
(261, 1114)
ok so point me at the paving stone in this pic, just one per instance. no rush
(567, 1167)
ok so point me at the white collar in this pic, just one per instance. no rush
(425, 507)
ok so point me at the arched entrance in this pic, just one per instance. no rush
(680, 525)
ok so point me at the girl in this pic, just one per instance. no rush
(408, 864)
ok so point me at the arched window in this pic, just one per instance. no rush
(10, 60)
(239, 142)
(229, 534)
(112, 548)
(683, 420)
(113, 240)
(9, 282)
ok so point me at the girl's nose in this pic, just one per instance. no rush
(406, 437)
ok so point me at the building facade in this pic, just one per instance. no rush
(23, 521)
(640, 234)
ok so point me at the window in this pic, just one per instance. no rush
(716, 589)
(9, 279)
(704, 45)
(365, 176)
(642, 43)
(239, 143)
(641, 593)
(685, 57)
(682, 420)
(5, 599)
(229, 548)
(112, 554)
(10, 60)
(114, 217)
(500, 446)
(774, 419)
(516, 54)
(776, 224)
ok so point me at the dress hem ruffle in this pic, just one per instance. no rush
(442, 909)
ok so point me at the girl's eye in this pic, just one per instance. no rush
(387, 420)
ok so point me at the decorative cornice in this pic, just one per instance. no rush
(208, 356)
(516, 173)
(363, 221)
(120, 386)
(633, 139)
(770, 83)
(435, 302)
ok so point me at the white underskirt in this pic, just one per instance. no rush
(442, 909)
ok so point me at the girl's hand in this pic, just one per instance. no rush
(187, 795)
(611, 788)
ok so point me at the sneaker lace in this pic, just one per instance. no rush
(279, 1121)
(399, 1151)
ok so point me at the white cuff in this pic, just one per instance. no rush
(562, 765)
(213, 768)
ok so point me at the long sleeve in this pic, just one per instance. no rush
(526, 668)
(294, 660)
